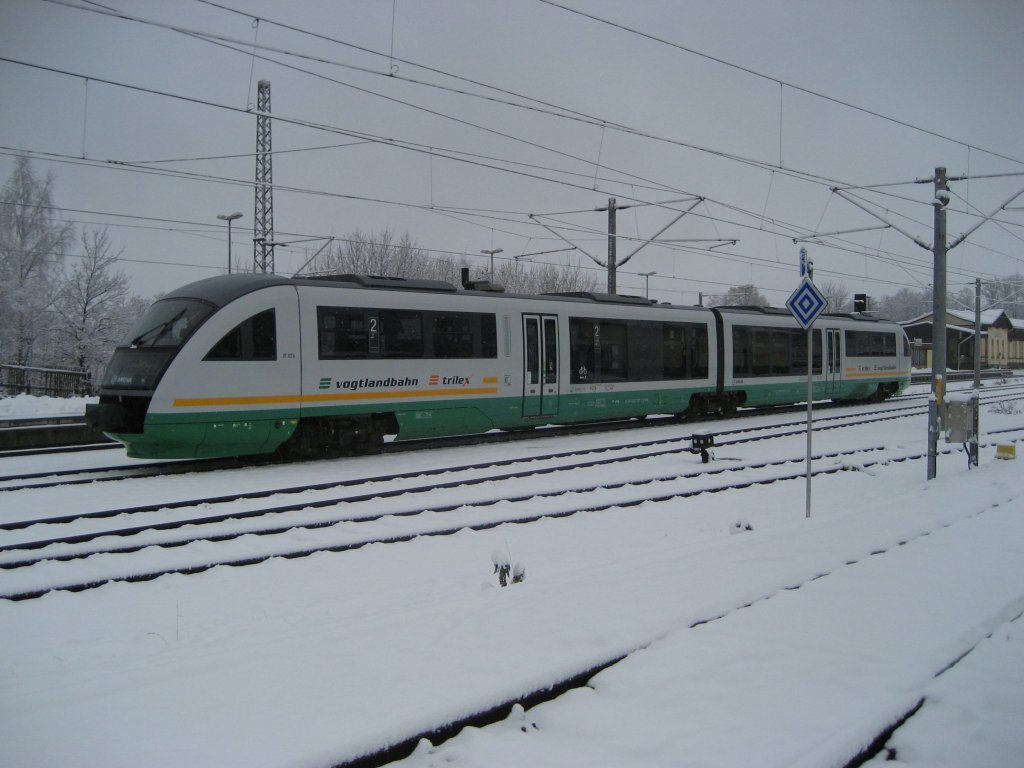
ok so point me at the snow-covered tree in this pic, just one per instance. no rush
(385, 255)
(837, 295)
(517, 277)
(93, 308)
(32, 244)
(905, 304)
(1006, 294)
(382, 255)
(739, 295)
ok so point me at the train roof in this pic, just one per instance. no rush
(482, 288)
(223, 289)
(226, 288)
(751, 309)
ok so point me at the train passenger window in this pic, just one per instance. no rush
(401, 333)
(614, 351)
(645, 349)
(673, 351)
(608, 350)
(870, 344)
(760, 342)
(781, 341)
(488, 336)
(264, 336)
(462, 335)
(798, 352)
(742, 354)
(342, 334)
(252, 339)
(228, 348)
(697, 349)
(452, 336)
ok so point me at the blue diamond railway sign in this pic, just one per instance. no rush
(806, 303)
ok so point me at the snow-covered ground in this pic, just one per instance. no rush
(786, 645)
(29, 406)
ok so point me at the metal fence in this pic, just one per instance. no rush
(18, 379)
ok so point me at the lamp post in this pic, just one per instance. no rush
(491, 254)
(647, 283)
(229, 217)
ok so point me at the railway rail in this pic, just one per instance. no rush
(438, 519)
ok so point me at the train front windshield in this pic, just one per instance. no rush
(153, 341)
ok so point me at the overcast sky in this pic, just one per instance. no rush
(453, 120)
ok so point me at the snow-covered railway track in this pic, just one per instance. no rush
(850, 742)
(84, 561)
(80, 475)
(108, 473)
(456, 476)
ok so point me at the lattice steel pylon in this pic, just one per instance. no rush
(263, 220)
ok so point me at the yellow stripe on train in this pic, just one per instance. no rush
(206, 402)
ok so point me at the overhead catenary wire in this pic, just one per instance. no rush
(596, 233)
(754, 73)
(773, 220)
(546, 107)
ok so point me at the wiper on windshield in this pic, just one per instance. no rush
(159, 331)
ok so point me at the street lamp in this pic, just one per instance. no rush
(229, 217)
(647, 283)
(491, 254)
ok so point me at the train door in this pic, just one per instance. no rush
(833, 361)
(540, 365)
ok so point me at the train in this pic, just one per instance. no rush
(249, 364)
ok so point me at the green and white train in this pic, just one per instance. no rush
(253, 364)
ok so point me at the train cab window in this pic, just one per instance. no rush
(167, 324)
(252, 339)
